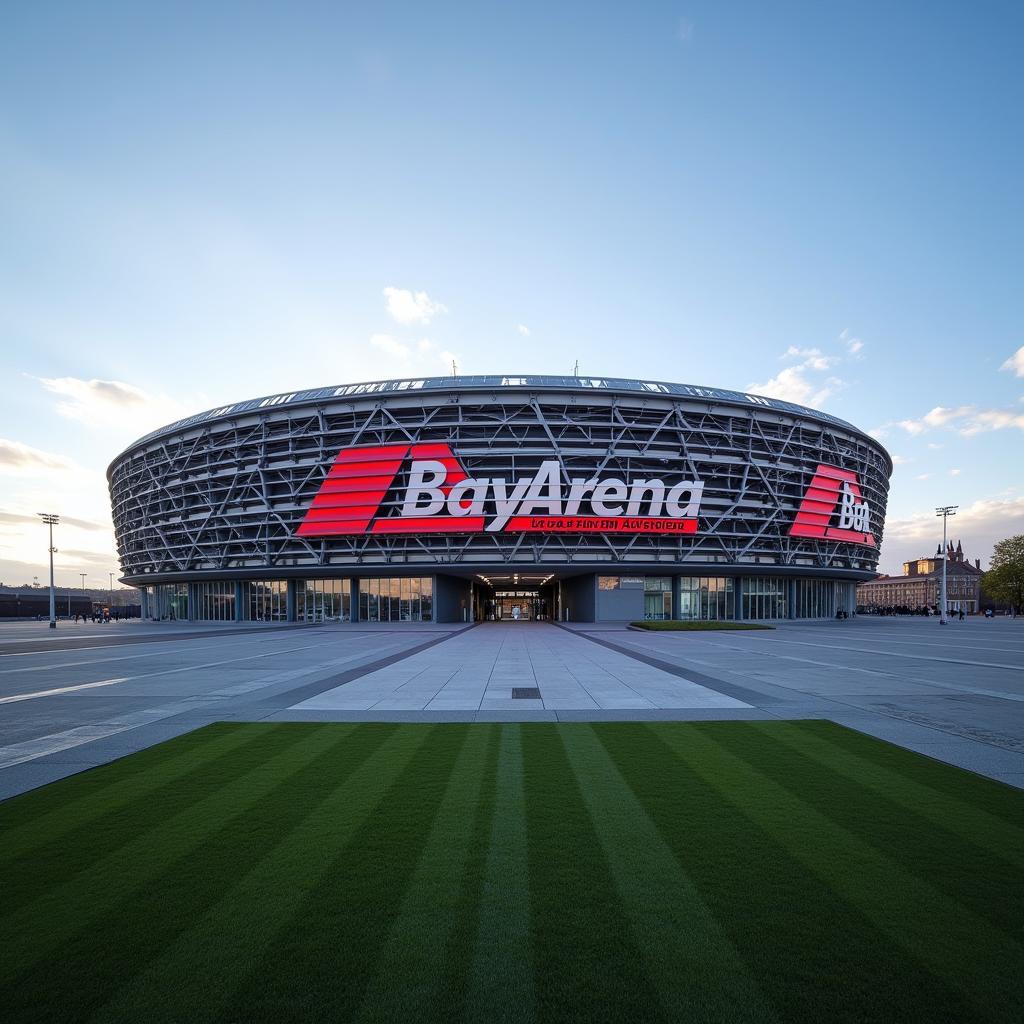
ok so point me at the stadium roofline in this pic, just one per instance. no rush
(496, 382)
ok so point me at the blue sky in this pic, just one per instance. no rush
(202, 203)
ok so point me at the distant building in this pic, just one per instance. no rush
(920, 585)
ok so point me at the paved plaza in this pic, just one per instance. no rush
(83, 695)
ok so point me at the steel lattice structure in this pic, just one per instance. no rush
(221, 494)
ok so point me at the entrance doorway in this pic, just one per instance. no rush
(515, 601)
(520, 606)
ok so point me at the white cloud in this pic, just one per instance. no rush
(1015, 364)
(799, 383)
(934, 446)
(523, 330)
(105, 403)
(937, 417)
(992, 419)
(410, 360)
(900, 460)
(978, 526)
(793, 385)
(408, 307)
(922, 476)
(35, 481)
(813, 358)
(954, 472)
(24, 460)
(967, 420)
(853, 345)
(684, 30)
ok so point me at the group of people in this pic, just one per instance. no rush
(98, 615)
(927, 610)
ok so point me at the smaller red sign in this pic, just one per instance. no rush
(601, 524)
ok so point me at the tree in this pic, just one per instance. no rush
(1004, 581)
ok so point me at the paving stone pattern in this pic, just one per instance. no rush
(81, 696)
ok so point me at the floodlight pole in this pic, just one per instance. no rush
(50, 519)
(946, 511)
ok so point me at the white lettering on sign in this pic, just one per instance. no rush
(542, 494)
(853, 514)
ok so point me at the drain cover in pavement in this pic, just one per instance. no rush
(525, 693)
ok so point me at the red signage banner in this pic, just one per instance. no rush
(441, 498)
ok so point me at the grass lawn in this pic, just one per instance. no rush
(745, 871)
(696, 626)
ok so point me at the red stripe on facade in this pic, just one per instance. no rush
(819, 505)
(429, 524)
(330, 514)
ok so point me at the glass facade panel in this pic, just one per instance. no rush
(215, 602)
(706, 597)
(396, 599)
(815, 599)
(658, 597)
(168, 602)
(323, 601)
(267, 600)
(764, 597)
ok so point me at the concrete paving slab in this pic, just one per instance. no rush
(956, 695)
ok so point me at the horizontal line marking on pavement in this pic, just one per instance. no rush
(62, 689)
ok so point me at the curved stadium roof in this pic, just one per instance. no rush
(497, 383)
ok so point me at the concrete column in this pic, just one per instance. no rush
(354, 599)
(791, 599)
(738, 598)
(290, 600)
(240, 589)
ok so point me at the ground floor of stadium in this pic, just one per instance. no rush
(500, 596)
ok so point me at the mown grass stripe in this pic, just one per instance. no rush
(905, 907)
(584, 958)
(203, 968)
(318, 965)
(816, 957)
(697, 970)
(499, 983)
(170, 866)
(410, 978)
(1000, 801)
(992, 887)
(98, 827)
(34, 819)
(871, 766)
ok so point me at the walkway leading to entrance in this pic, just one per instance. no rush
(519, 667)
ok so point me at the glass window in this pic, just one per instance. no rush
(215, 602)
(816, 599)
(396, 599)
(764, 597)
(267, 600)
(706, 598)
(324, 601)
(657, 597)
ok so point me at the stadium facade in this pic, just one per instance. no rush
(466, 498)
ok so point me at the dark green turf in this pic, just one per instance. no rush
(696, 626)
(719, 871)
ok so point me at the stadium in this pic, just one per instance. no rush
(472, 498)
